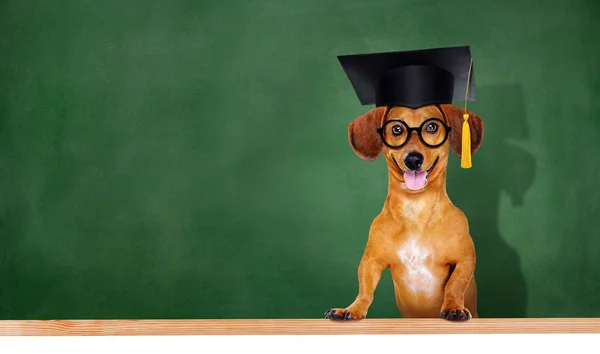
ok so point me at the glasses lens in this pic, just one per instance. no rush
(395, 133)
(433, 132)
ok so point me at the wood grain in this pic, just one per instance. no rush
(301, 327)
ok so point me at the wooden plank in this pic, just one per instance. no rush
(301, 327)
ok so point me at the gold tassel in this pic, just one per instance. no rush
(465, 161)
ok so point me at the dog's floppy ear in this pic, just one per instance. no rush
(363, 136)
(455, 118)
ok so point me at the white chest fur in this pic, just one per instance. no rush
(415, 259)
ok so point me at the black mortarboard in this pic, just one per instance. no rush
(413, 78)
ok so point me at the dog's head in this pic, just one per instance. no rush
(415, 142)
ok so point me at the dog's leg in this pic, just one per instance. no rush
(453, 307)
(369, 274)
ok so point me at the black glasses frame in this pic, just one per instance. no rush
(409, 131)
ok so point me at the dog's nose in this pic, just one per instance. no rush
(413, 160)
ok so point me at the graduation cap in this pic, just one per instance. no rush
(414, 79)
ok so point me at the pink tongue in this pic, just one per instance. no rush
(415, 180)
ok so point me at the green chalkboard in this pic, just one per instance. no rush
(189, 159)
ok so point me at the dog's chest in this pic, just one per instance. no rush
(413, 209)
(416, 262)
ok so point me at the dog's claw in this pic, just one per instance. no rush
(345, 315)
(456, 315)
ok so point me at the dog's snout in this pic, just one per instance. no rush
(413, 160)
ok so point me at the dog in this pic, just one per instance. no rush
(420, 235)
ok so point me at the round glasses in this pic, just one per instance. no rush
(396, 133)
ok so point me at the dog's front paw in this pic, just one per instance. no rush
(344, 314)
(455, 314)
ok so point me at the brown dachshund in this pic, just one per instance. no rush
(420, 235)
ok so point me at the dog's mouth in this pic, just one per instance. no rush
(416, 180)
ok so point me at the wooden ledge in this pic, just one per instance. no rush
(302, 326)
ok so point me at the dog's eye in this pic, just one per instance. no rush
(397, 130)
(431, 127)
